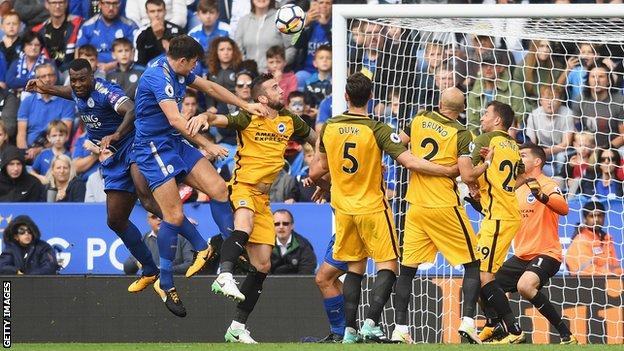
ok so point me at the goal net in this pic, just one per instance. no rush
(563, 77)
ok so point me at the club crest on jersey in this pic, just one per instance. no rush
(90, 102)
(119, 34)
(471, 146)
(169, 90)
(133, 78)
(181, 80)
(530, 198)
(281, 128)
(242, 203)
(395, 138)
(170, 169)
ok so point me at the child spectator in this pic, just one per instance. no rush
(222, 60)
(297, 104)
(316, 33)
(190, 105)
(210, 27)
(305, 193)
(89, 53)
(127, 73)
(24, 252)
(148, 42)
(63, 185)
(580, 172)
(22, 69)
(318, 86)
(57, 136)
(11, 45)
(276, 62)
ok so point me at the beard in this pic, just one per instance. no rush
(276, 105)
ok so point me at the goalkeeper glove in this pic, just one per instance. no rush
(536, 190)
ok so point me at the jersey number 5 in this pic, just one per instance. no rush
(512, 173)
(347, 156)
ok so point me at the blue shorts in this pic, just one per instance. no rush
(116, 169)
(329, 258)
(164, 158)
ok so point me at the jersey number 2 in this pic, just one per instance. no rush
(513, 173)
(434, 148)
(347, 156)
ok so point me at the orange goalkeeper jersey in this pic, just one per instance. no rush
(538, 234)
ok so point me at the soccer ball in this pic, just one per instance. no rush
(290, 19)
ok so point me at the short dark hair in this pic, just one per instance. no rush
(186, 47)
(295, 94)
(30, 36)
(207, 5)
(276, 50)
(80, 64)
(324, 47)
(156, 2)
(88, 50)
(505, 112)
(536, 151)
(591, 207)
(256, 85)
(359, 89)
(122, 41)
(283, 210)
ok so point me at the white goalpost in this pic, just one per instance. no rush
(561, 68)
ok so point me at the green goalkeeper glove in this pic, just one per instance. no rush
(536, 190)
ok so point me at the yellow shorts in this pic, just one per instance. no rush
(495, 236)
(247, 196)
(366, 235)
(429, 230)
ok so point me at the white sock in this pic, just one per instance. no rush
(402, 328)
(469, 321)
(227, 275)
(350, 330)
(237, 325)
(369, 322)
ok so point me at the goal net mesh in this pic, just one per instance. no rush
(563, 79)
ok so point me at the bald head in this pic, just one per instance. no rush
(451, 101)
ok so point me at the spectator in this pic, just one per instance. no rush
(8, 113)
(148, 42)
(276, 64)
(601, 109)
(95, 187)
(318, 86)
(316, 33)
(493, 84)
(551, 126)
(89, 8)
(305, 193)
(85, 156)
(63, 185)
(284, 188)
(57, 135)
(23, 68)
(138, 12)
(89, 53)
(37, 111)
(256, 33)
(607, 184)
(59, 33)
(580, 169)
(587, 57)
(210, 27)
(100, 31)
(16, 185)
(24, 252)
(297, 105)
(184, 251)
(434, 57)
(482, 47)
(592, 251)
(32, 12)
(190, 106)
(324, 113)
(4, 138)
(222, 60)
(292, 253)
(11, 45)
(126, 74)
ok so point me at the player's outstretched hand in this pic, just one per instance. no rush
(257, 109)
(214, 151)
(536, 190)
(108, 140)
(197, 124)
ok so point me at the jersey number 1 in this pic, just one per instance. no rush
(347, 156)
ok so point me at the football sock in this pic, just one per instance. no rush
(495, 295)
(334, 307)
(167, 244)
(131, 237)
(548, 310)
(403, 292)
(190, 233)
(231, 249)
(223, 216)
(471, 288)
(251, 288)
(381, 293)
(352, 288)
(491, 316)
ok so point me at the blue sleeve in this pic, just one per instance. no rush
(324, 111)
(159, 86)
(3, 67)
(68, 111)
(38, 163)
(116, 96)
(24, 110)
(79, 150)
(11, 76)
(84, 36)
(75, 8)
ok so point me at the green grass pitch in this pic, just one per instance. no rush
(306, 347)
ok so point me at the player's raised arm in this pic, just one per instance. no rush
(38, 86)
(420, 165)
(222, 94)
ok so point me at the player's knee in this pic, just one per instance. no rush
(117, 224)
(526, 288)
(176, 218)
(219, 190)
(322, 280)
(263, 266)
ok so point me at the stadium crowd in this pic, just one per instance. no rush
(567, 96)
